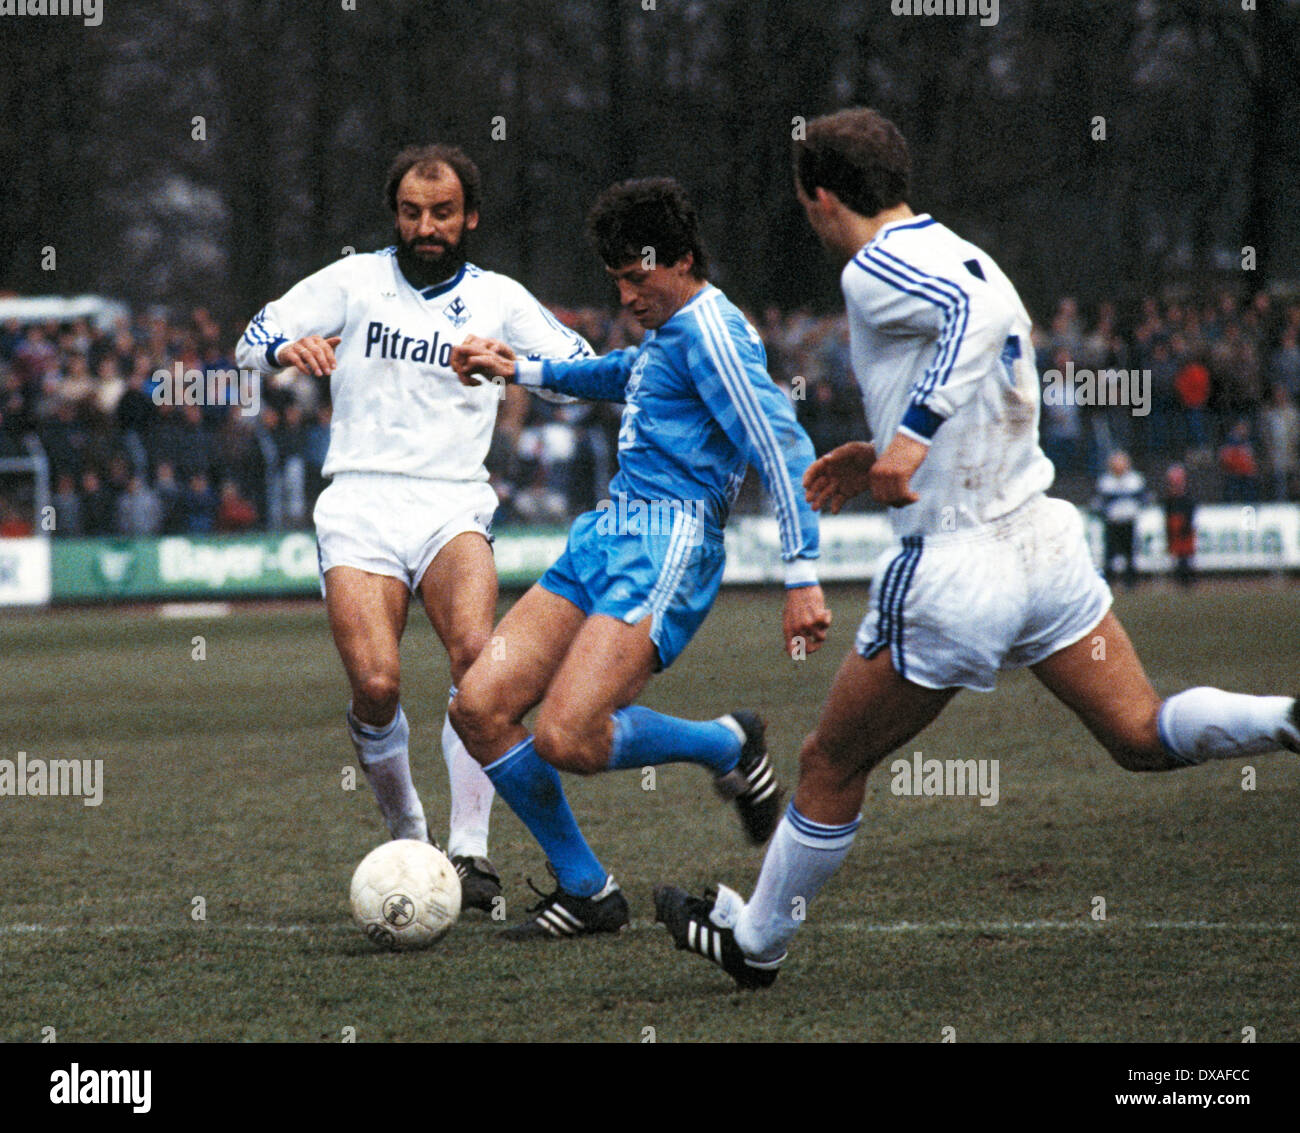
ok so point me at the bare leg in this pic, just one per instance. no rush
(512, 674)
(506, 681)
(459, 591)
(606, 668)
(871, 711)
(367, 614)
(1101, 679)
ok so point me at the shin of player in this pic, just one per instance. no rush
(471, 795)
(384, 756)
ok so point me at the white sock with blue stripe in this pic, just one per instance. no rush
(384, 757)
(1208, 723)
(800, 859)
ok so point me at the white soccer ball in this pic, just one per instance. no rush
(405, 894)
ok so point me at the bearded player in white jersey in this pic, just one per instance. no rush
(409, 508)
(988, 574)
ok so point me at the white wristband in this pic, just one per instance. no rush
(528, 373)
(800, 572)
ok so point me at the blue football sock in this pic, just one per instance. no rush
(532, 788)
(643, 737)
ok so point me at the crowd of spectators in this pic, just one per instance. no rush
(1220, 381)
(123, 462)
(1223, 381)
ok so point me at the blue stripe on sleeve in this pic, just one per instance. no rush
(955, 295)
(920, 420)
(256, 333)
(942, 293)
(886, 274)
(723, 353)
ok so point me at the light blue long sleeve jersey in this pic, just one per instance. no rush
(699, 407)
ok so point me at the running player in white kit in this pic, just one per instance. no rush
(409, 509)
(988, 574)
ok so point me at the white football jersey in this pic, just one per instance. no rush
(397, 406)
(941, 347)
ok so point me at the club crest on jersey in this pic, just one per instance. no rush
(457, 312)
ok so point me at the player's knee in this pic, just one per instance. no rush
(474, 716)
(567, 747)
(460, 714)
(378, 691)
(464, 651)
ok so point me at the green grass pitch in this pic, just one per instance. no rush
(223, 780)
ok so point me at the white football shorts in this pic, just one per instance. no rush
(396, 525)
(955, 608)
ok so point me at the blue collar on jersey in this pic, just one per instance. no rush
(434, 292)
(428, 292)
(924, 220)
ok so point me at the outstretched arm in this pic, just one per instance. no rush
(597, 379)
(532, 332)
(834, 479)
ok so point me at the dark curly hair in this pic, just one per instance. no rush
(425, 160)
(651, 212)
(857, 154)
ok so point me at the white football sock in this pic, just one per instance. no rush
(471, 797)
(800, 860)
(1207, 723)
(385, 759)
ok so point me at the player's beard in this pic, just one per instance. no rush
(423, 269)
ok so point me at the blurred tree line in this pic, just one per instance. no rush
(303, 102)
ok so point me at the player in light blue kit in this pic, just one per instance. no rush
(639, 575)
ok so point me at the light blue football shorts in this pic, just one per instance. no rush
(668, 571)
